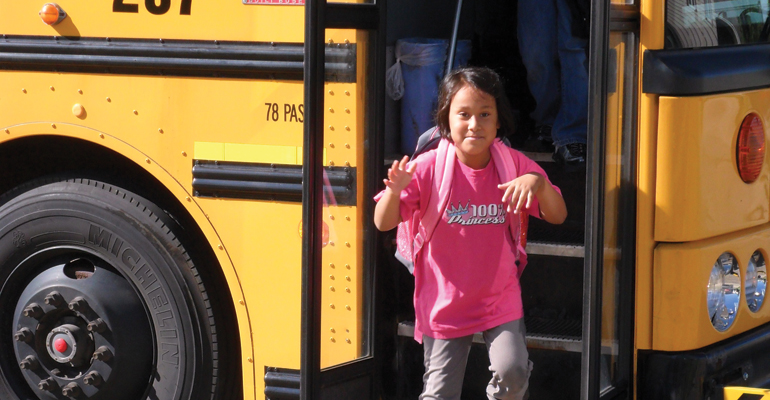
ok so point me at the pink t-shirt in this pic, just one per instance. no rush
(466, 276)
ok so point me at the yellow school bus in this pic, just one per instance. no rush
(185, 202)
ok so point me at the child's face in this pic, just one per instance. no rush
(473, 125)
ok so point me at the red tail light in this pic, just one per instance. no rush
(751, 148)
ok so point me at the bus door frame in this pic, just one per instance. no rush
(357, 378)
(607, 17)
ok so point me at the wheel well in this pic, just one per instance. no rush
(26, 159)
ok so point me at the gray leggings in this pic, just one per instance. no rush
(445, 361)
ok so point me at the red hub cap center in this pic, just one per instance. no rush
(60, 345)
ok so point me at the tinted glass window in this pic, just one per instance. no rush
(709, 23)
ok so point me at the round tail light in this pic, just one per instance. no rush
(751, 148)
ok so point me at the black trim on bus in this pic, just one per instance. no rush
(281, 384)
(700, 374)
(697, 72)
(276, 61)
(268, 182)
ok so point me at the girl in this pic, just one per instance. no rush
(466, 276)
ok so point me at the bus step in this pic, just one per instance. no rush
(538, 157)
(555, 249)
(564, 335)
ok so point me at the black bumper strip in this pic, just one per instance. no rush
(699, 374)
(697, 72)
(281, 384)
(174, 58)
(268, 182)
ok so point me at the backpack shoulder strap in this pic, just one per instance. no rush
(442, 183)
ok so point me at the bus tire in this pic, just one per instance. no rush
(100, 299)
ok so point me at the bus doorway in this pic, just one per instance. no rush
(578, 287)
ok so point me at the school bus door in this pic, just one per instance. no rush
(343, 116)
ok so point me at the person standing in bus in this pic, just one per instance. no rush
(553, 38)
(467, 274)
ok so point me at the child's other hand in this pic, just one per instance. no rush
(521, 191)
(400, 174)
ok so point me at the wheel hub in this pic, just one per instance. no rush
(76, 332)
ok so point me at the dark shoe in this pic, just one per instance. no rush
(571, 154)
(543, 133)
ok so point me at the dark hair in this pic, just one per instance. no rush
(480, 78)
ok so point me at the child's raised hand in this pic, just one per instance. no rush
(400, 174)
(521, 191)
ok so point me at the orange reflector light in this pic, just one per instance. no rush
(52, 14)
(751, 148)
(324, 234)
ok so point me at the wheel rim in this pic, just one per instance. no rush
(79, 329)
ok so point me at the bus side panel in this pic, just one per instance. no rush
(701, 194)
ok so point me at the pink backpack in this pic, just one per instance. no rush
(414, 233)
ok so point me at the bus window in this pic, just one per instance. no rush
(708, 23)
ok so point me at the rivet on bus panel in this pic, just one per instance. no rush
(53, 126)
(347, 145)
(250, 359)
(331, 92)
(347, 244)
(332, 339)
(331, 163)
(347, 128)
(52, 88)
(331, 265)
(347, 266)
(331, 217)
(331, 305)
(347, 340)
(331, 110)
(347, 93)
(347, 289)
(347, 110)
(241, 302)
(23, 90)
(331, 288)
(347, 278)
(160, 130)
(136, 112)
(331, 145)
(188, 198)
(80, 91)
(8, 131)
(79, 111)
(347, 41)
(219, 246)
(331, 277)
(184, 154)
(101, 135)
(331, 243)
(331, 128)
(331, 41)
(147, 159)
(109, 99)
(347, 163)
(347, 308)
(347, 218)
(332, 330)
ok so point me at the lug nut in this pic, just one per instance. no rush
(33, 311)
(71, 390)
(54, 299)
(93, 378)
(102, 354)
(23, 335)
(29, 363)
(47, 384)
(97, 325)
(78, 304)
